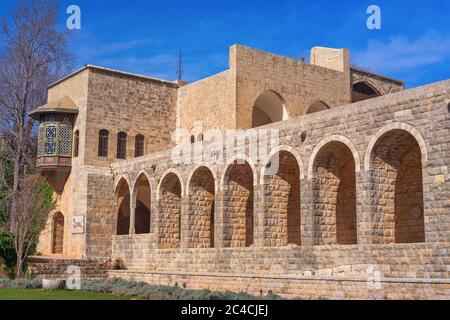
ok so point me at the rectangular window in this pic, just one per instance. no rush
(103, 144)
(122, 145)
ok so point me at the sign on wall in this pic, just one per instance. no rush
(77, 224)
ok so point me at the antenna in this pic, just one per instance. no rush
(180, 67)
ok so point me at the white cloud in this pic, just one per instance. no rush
(401, 54)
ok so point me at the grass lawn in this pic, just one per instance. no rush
(28, 294)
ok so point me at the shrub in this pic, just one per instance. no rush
(21, 284)
(143, 290)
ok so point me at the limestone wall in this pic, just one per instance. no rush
(421, 113)
(393, 261)
(134, 105)
(225, 101)
(298, 84)
(211, 101)
(295, 287)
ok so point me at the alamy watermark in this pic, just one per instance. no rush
(73, 281)
(374, 19)
(73, 22)
(217, 147)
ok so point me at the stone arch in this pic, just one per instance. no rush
(281, 187)
(122, 196)
(201, 218)
(193, 171)
(317, 106)
(334, 195)
(268, 108)
(396, 126)
(142, 198)
(58, 233)
(277, 150)
(238, 205)
(334, 138)
(167, 172)
(241, 159)
(170, 193)
(396, 184)
(365, 89)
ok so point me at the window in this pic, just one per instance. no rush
(139, 147)
(122, 145)
(55, 139)
(192, 139)
(103, 143)
(76, 143)
(200, 137)
(65, 138)
(50, 140)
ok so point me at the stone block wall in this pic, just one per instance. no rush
(305, 288)
(170, 213)
(53, 268)
(134, 105)
(201, 210)
(363, 128)
(335, 195)
(298, 84)
(282, 216)
(211, 100)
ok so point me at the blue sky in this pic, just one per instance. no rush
(145, 36)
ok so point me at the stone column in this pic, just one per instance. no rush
(154, 212)
(307, 212)
(218, 212)
(363, 207)
(184, 223)
(132, 215)
(258, 215)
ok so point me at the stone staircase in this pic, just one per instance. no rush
(57, 267)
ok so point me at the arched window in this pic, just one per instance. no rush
(192, 139)
(122, 145)
(76, 143)
(103, 142)
(139, 146)
(200, 137)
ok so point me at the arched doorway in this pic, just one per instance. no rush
(363, 90)
(58, 233)
(170, 211)
(397, 189)
(268, 108)
(143, 205)
(334, 189)
(123, 205)
(282, 219)
(201, 209)
(238, 206)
